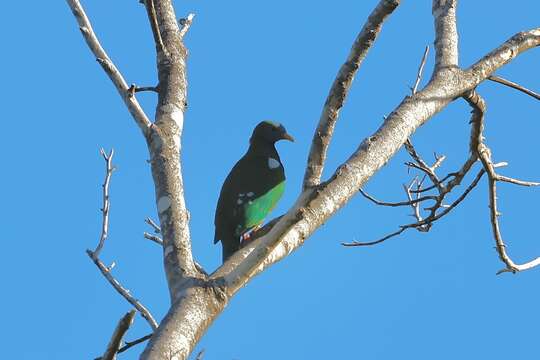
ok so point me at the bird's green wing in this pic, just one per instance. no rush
(257, 209)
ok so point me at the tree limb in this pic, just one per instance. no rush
(502, 55)
(153, 238)
(446, 36)
(94, 255)
(164, 144)
(154, 226)
(484, 153)
(340, 88)
(110, 69)
(106, 203)
(116, 339)
(513, 85)
(126, 294)
(420, 70)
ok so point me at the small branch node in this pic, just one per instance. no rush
(153, 238)
(185, 24)
(152, 223)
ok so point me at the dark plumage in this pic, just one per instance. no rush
(252, 188)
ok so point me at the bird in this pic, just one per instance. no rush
(252, 189)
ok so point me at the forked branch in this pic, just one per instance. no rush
(94, 255)
(484, 153)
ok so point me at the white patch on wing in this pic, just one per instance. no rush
(273, 163)
(250, 194)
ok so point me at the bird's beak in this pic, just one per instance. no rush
(287, 137)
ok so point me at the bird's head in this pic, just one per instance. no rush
(269, 132)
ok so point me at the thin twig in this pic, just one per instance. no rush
(431, 187)
(513, 85)
(146, 88)
(153, 238)
(109, 168)
(420, 70)
(118, 334)
(396, 204)
(358, 243)
(153, 224)
(443, 189)
(428, 220)
(110, 69)
(185, 24)
(145, 313)
(151, 11)
(94, 255)
(135, 89)
(129, 344)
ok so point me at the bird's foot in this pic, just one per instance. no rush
(248, 237)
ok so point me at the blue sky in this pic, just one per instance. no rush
(420, 296)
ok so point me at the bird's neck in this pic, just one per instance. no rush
(259, 148)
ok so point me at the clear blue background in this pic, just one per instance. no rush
(419, 296)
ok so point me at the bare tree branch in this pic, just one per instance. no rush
(152, 223)
(135, 89)
(420, 70)
(446, 36)
(484, 153)
(340, 89)
(126, 294)
(153, 238)
(424, 225)
(502, 55)
(106, 203)
(110, 69)
(395, 204)
(164, 143)
(513, 85)
(116, 339)
(94, 255)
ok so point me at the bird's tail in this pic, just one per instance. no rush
(230, 245)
